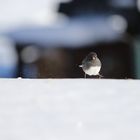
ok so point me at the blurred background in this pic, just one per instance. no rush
(49, 38)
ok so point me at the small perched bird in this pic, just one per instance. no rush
(91, 65)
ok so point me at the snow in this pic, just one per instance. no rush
(69, 109)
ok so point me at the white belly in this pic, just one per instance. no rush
(93, 70)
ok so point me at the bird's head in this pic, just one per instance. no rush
(92, 56)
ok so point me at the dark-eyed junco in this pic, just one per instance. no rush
(91, 65)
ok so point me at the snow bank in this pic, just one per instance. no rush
(69, 109)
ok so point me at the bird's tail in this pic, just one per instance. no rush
(80, 66)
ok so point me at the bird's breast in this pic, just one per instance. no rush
(94, 70)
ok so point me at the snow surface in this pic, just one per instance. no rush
(69, 109)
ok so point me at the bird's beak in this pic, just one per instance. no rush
(93, 58)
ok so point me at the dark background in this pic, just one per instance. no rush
(111, 28)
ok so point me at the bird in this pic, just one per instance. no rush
(91, 65)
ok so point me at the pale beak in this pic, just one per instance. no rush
(93, 58)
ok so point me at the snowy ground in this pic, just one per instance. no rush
(69, 109)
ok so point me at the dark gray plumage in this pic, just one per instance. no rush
(91, 64)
